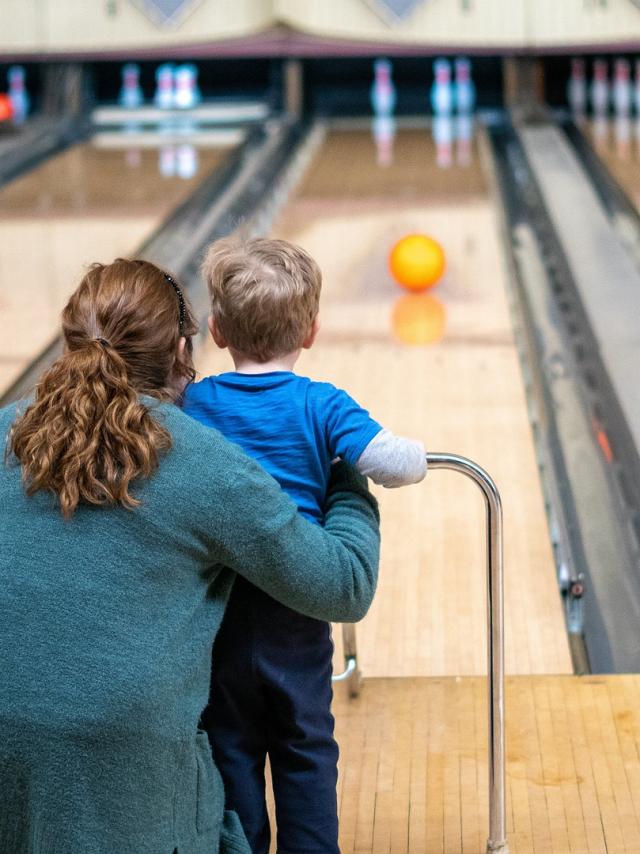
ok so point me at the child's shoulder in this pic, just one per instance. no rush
(200, 388)
(330, 401)
(326, 391)
(319, 386)
(204, 382)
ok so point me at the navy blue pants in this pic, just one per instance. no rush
(271, 695)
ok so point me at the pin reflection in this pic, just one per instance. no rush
(384, 131)
(442, 131)
(464, 138)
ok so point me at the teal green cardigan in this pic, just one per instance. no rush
(106, 626)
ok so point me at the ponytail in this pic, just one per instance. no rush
(87, 436)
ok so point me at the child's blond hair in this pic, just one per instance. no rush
(264, 295)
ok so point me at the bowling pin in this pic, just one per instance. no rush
(131, 92)
(464, 90)
(600, 88)
(577, 88)
(442, 130)
(636, 88)
(18, 94)
(383, 92)
(186, 91)
(464, 138)
(441, 89)
(384, 131)
(186, 161)
(167, 161)
(164, 97)
(621, 88)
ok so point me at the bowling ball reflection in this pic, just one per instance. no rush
(418, 319)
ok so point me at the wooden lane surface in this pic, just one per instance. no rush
(463, 394)
(83, 205)
(617, 142)
(414, 772)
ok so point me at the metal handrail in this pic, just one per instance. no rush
(351, 673)
(497, 840)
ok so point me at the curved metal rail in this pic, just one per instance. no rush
(351, 673)
(497, 840)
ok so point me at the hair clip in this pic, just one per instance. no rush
(181, 305)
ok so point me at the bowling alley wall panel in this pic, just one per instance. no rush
(23, 26)
(474, 23)
(75, 26)
(584, 22)
(434, 22)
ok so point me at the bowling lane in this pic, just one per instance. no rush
(442, 367)
(617, 142)
(86, 204)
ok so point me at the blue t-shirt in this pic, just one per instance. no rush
(291, 425)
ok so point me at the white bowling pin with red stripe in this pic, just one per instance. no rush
(600, 88)
(464, 89)
(164, 97)
(441, 88)
(622, 91)
(383, 92)
(186, 93)
(131, 91)
(577, 87)
(18, 94)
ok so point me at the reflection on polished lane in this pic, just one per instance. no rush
(84, 205)
(617, 142)
(461, 393)
(419, 319)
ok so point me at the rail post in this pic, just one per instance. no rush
(351, 673)
(497, 840)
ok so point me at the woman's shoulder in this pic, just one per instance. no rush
(8, 415)
(8, 412)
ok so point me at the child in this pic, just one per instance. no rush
(271, 684)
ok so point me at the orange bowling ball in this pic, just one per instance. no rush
(417, 262)
(419, 319)
(6, 108)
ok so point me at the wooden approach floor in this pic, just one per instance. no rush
(461, 391)
(414, 773)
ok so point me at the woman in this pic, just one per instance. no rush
(123, 525)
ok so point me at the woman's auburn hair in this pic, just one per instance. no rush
(87, 436)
